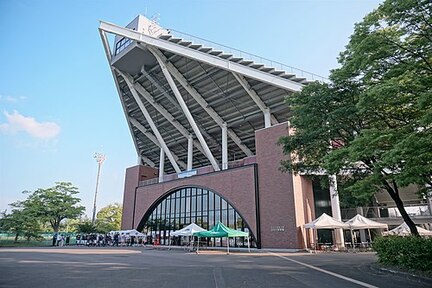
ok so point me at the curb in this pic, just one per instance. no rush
(409, 275)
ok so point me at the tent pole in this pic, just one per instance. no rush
(370, 238)
(228, 245)
(198, 245)
(315, 235)
(352, 240)
(248, 244)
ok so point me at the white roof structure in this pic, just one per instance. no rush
(403, 230)
(361, 222)
(326, 222)
(188, 230)
(192, 102)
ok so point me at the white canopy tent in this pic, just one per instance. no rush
(188, 230)
(325, 222)
(403, 230)
(361, 222)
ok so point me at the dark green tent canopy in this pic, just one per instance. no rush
(220, 230)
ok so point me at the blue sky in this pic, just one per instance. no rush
(58, 102)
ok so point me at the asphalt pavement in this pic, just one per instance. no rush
(81, 267)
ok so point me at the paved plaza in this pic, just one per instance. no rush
(144, 267)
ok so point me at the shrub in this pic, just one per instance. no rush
(406, 252)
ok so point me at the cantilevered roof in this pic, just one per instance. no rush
(219, 85)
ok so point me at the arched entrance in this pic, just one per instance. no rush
(186, 205)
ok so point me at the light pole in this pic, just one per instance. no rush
(100, 158)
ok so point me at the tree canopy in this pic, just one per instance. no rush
(21, 221)
(51, 205)
(54, 204)
(109, 218)
(372, 123)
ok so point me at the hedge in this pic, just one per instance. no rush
(405, 252)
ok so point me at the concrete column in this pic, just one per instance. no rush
(335, 205)
(267, 118)
(190, 154)
(161, 165)
(224, 147)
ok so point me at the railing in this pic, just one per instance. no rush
(248, 56)
(386, 212)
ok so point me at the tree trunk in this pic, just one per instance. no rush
(16, 237)
(399, 204)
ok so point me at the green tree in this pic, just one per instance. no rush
(86, 227)
(374, 120)
(55, 204)
(109, 218)
(21, 221)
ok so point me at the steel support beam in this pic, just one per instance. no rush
(147, 96)
(152, 138)
(172, 100)
(185, 109)
(146, 160)
(152, 125)
(255, 97)
(200, 100)
(158, 86)
(224, 147)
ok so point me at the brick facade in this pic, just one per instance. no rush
(285, 201)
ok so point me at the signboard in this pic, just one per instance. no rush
(277, 228)
(186, 174)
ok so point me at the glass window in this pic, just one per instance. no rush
(224, 204)
(193, 204)
(205, 202)
(199, 203)
(211, 202)
(217, 202)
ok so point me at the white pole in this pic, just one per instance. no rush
(335, 205)
(190, 153)
(315, 235)
(267, 119)
(224, 147)
(100, 158)
(228, 245)
(198, 245)
(370, 237)
(248, 244)
(161, 165)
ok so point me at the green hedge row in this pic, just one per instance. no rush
(407, 252)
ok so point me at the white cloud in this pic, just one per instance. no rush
(17, 122)
(12, 99)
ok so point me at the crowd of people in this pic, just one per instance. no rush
(99, 240)
(60, 239)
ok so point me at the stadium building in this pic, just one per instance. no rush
(205, 120)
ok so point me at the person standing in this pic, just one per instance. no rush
(54, 239)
